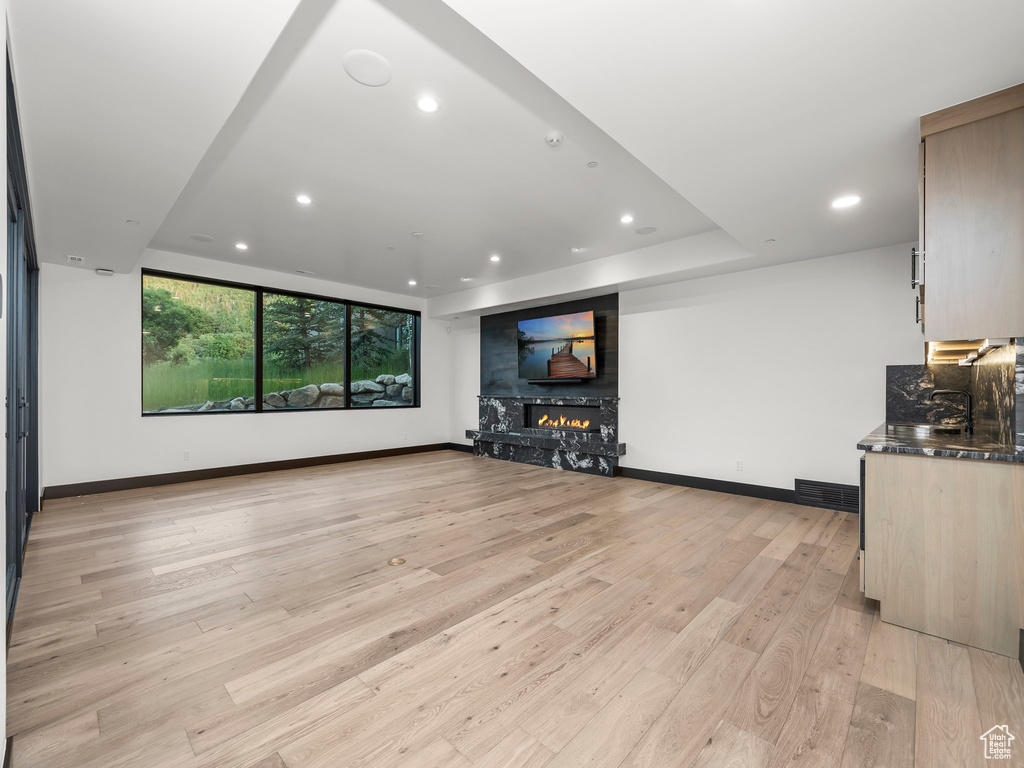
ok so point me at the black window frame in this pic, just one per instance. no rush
(258, 291)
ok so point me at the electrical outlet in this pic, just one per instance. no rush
(739, 465)
(187, 456)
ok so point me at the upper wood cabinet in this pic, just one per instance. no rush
(973, 218)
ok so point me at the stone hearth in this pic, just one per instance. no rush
(510, 429)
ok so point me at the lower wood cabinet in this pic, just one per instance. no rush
(944, 547)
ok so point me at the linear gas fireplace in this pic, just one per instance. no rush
(563, 418)
(574, 433)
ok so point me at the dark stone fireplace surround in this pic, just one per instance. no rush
(505, 434)
(503, 431)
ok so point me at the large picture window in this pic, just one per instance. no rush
(303, 352)
(197, 346)
(210, 347)
(383, 341)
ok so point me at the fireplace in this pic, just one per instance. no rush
(562, 418)
(579, 434)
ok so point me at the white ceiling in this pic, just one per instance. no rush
(117, 106)
(192, 116)
(761, 113)
(476, 178)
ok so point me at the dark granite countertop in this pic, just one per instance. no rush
(976, 446)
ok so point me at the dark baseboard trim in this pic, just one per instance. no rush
(708, 484)
(1020, 652)
(169, 478)
(9, 752)
(145, 481)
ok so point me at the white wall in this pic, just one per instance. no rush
(782, 368)
(465, 382)
(90, 385)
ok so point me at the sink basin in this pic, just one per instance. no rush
(925, 430)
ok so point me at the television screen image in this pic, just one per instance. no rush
(559, 347)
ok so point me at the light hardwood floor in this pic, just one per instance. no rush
(541, 619)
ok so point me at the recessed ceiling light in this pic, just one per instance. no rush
(305, 272)
(846, 201)
(417, 234)
(575, 250)
(242, 246)
(495, 257)
(391, 247)
(201, 238)
(627, 219)
(592, 164)
(428, 104)
(412, 282)
(104, 272)
(465, 279)
(367, 68)
(304, 199)
(769, 241)
(131, 222)
(646, 230)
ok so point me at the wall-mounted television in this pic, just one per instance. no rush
(558, 347)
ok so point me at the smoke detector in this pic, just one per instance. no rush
(554, 139)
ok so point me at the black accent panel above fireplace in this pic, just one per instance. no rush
(499, 352)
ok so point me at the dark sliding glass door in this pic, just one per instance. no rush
(20, 300)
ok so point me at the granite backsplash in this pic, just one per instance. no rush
(996, 384)
(907, 388)
(994, 398)
(1019, 394)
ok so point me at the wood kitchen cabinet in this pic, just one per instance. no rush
(944, 547)
(972, 206)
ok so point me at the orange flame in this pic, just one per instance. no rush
(561, 421)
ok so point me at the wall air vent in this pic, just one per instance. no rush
(76, 260)
(815, 493)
